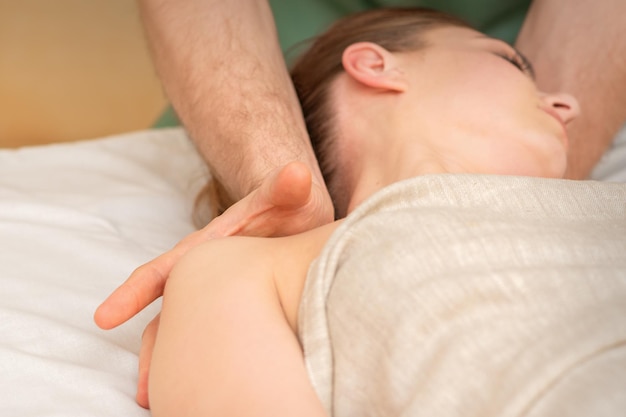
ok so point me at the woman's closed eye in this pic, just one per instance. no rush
(520, 62)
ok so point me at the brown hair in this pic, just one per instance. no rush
(395, 29)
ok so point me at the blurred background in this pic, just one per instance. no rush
(74, 69)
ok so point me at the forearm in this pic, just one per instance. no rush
(578, 47)
(223, 70)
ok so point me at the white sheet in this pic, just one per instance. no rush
(75, 220)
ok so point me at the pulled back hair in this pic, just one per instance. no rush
(396, 30)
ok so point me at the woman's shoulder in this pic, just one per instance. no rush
(291, 257)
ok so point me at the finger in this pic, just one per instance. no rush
(142, 287)
(145, 357)
(147, 282)
(292, 186)
(257, 214)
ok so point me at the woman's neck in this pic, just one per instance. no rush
(394, 160)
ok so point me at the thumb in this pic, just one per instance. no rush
(291, 187)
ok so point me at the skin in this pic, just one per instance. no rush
(232, 127)
(256, 129)
(459, 107)
(379, 100)
(257, 366)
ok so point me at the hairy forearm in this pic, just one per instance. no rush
(222, 69)
(578, 47)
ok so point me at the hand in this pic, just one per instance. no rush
(287, 202)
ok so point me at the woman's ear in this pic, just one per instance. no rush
(373, 66)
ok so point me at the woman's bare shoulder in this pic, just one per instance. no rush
(292, 256)
(281, 263)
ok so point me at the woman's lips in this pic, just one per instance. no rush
(558, 118)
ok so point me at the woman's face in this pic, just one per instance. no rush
(481, 112)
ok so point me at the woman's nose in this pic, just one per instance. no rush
(564, 104)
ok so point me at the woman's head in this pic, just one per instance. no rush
(395, 29)
(424, 85)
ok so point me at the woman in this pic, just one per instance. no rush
(465, 92)
(388, 95)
